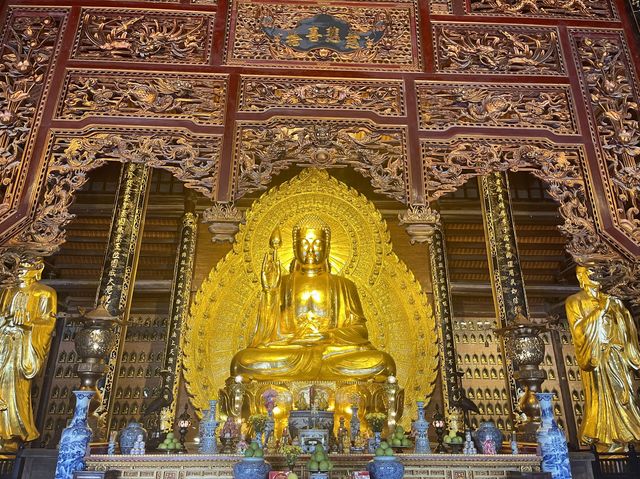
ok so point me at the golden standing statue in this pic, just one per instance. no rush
(606, 342)
(311, 325)
(27, 320)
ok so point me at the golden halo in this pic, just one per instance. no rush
(224, 311)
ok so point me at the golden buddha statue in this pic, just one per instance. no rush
(27, 320)
(606, 343)
(310, 323)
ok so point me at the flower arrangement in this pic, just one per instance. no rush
(376, 420)
(291, 454)
(258, 422)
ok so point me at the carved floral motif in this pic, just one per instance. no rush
(26, 56)
(508, 50)
(450, 164)
(200, 98)
(597, 9)
(608, 77)
(148, 37)
(190, 158)
(263, 150)
(443, 106)
(354, 37)
(261, 94)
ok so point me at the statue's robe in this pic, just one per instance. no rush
(23, 351)
(606, 344)
(283, 347)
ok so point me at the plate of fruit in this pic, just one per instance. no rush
(254, 452)
(399, 440)
(384, 452)
(170, 444)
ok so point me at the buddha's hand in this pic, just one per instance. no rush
(271, 273)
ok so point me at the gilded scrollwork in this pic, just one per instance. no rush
(138, 35)
(592, 9)
(354, 37)
(546, 107)
(386, 98)
(71, 155)
(26, 55)
(449, 164)
(97, 93)
(265, 149)
(497, 50)
(607, 76)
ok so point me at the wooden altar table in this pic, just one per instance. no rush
(417, 466)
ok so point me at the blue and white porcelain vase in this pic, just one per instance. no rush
(374, 442)
(129, 435)
(354, 424)
(251, 468)
(207, 430)
(552, 441)
(487, 434)
(421, 426)
(385, 467)
(74, 442)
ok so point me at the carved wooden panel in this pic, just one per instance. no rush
(102, 93)
(497, 49)
(378, 152)
(378, 35)
(588, 9)
(385, 98)
(611, 93)
(546, 107)
(30, 43)
(143, 36)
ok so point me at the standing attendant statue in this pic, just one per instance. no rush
(606, 343)
(27, 320)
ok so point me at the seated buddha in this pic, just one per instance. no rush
(310, 323)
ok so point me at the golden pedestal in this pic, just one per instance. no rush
(243, 399)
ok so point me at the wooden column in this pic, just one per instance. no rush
(424, 225)
(507, 283)
(178, 310)
(119, 272)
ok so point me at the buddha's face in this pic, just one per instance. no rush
(311, 246)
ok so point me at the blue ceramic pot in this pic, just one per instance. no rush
(488, 430)
(385, 467)
(251, 468)
(129, 435)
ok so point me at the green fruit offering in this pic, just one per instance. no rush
(292, 475)
(248, 453)
(170, 435)
(405, 442)
(323, 466)
(258, 453)
(388, 452)
(313, 466)
(396, 442)
(384, 445)
(379, 452)
(254, 445)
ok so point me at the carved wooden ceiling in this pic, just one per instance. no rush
(416, 96)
